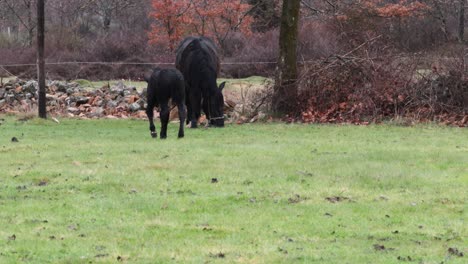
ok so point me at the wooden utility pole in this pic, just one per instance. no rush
(286, 80)
(40, 58)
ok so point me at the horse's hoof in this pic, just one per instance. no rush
(154, 134)
(181, 136)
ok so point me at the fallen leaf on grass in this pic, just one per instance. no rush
(336, 199)
(296, 199)
(408, 258)
(43, 182)
(218, 255)
(379, 247)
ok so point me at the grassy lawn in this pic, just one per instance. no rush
(105, 191)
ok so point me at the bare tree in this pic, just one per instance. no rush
(106, 9)
(23, 12)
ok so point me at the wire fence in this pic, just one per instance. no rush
(126, 63)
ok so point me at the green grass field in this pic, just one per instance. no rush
(104, 191)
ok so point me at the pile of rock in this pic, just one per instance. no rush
(70, 99)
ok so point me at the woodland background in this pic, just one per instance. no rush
(359, 59)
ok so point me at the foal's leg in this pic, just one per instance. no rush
(181, 109)
(189, 110)
(164, 119)
(150, 114)
(188, 98)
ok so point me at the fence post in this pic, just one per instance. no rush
(40, 58)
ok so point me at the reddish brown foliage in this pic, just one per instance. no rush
(212, 18)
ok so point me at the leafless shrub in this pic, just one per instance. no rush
(362, 89)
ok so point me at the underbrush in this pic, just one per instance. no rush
(354, 89)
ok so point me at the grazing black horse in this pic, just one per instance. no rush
(198, 61)
(164, 84)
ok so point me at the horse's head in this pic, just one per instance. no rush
(217, 106)
(149, 74)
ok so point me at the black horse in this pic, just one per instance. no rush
(198, 61)
(164, 84)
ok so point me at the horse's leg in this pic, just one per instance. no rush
(181, 109)
(189, 110)
(206, 109)
(196, 105)
(164, 115)
(187, 102)
(150, 114)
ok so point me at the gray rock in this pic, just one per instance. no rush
(99, 103)
(112, 104)
(61, 86)
(2, 93)
(73, 110)
(135, 107)
(118, 88)
(30, 87)
(141, 102)
(81, 99)
(98, 112)
(51, 97)
(9, 98)
(8, 86)
(2, 102)
(70, 91)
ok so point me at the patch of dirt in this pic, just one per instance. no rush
(218, 255)
(379, 247)
(337, 199)
(408, 258)
(43, 182)
(296, 199)
(455, 252)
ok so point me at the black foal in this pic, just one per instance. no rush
(165, 84)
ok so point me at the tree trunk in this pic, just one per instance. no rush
(461, 26)
(40, 58)
(442, 18)
(30, 23)
(286, 80)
